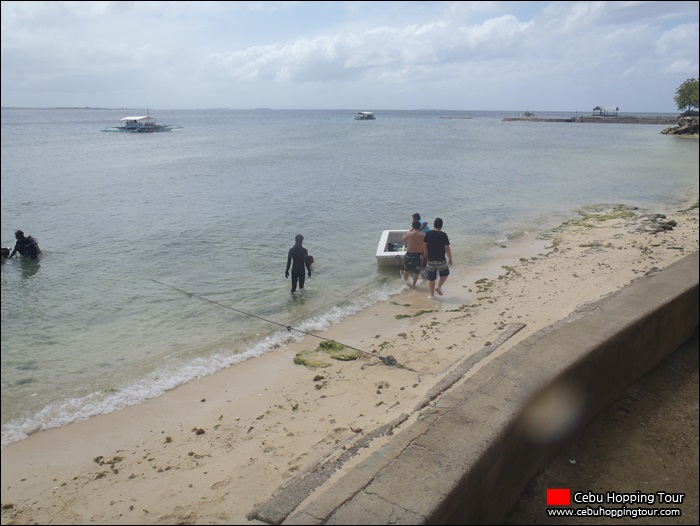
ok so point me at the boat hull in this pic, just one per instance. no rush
(141, 124)
(391, 251)
(141, 129)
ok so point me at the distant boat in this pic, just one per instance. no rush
(141, 124)
(364, 116)
(527, 114)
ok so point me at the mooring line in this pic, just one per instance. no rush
(388, 360)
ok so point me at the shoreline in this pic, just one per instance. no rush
(266, 420)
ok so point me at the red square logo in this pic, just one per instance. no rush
(558, 497)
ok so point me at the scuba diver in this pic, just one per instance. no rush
(26, 246)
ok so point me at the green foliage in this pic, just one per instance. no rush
(687, 95)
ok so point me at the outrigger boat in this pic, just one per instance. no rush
(142, 124)
(391, 250)
(364, 116)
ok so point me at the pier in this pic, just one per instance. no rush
(632, 119)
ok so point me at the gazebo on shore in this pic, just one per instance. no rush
(605, 111)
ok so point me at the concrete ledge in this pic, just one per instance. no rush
(468, 457)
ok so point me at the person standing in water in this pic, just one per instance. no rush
(423, 223)
(298, 258)
(413, 261)
(438, 254)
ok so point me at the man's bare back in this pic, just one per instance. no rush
(414, 240)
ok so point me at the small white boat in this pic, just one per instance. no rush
(364, 116)
(142, 124)
(391, 251)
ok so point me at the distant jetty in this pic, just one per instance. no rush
(617, 119)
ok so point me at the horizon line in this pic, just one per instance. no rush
(310, 109)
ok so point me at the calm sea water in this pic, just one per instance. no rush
(213, 208)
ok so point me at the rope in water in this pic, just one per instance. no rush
(387, 360)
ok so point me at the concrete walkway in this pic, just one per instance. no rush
(475, 445)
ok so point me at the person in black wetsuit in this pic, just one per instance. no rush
(298, 258)
(26, 246)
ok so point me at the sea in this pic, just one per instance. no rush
(164, 253)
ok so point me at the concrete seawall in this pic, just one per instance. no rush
(468, 456)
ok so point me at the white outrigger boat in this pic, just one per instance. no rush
(391, 250)
(364, 116)
(141, 124)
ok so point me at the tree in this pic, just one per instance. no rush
(687, 95)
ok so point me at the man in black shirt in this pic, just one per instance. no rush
(436, 245)
(298, 258)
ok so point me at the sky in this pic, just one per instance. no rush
(363, 56)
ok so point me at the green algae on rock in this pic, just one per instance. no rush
(315, 359)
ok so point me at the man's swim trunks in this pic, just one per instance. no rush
(433, 267)
(413, 262)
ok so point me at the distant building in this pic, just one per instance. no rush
(605, 111)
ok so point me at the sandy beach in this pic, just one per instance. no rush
(208, 452)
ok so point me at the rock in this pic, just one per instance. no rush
(686, 126)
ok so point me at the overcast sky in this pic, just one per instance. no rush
(539, 56)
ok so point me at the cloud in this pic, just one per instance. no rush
(385, 51)
(684, 67)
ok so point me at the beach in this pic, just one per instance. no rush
(210, 451)
(114, 325)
